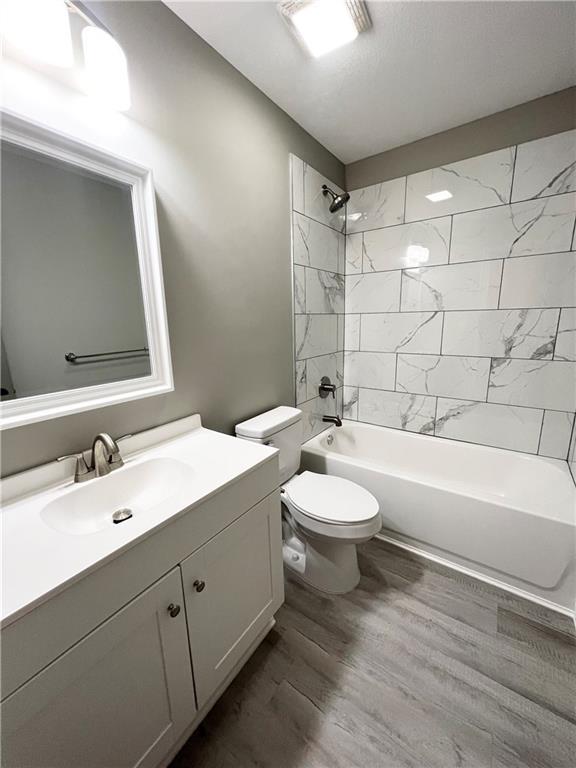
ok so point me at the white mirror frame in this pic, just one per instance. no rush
(28, 410)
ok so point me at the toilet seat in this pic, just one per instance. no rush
(331, 500)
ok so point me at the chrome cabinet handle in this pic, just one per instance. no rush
(173, 610)
(199, 585)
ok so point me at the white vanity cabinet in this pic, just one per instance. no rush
(120, 697)
(233, 585)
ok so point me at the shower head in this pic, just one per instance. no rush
(338, 201)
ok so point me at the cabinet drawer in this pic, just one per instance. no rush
(120, 697)
(233, 585)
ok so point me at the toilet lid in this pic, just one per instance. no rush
(330, 498)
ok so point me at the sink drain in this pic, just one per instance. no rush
(121, 514)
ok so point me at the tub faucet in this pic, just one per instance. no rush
(336, 420)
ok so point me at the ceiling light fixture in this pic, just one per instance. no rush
(437, 197)
(324, 25)
(106, 73)
(40, 29)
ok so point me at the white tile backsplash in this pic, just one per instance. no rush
(401, 332)
(423, 243)
(534, 383)
(351, 332)
(566, 339)
(380, 205)
(301, 387)
(350, 402)
(556, 432)
(473, 285)
(501, 426)
(539, 281)
(324, 291)
(299, 275)
(315, 335)
(521, 229)
(375, 292)
(414, 413)
(461, 377)
(479, 182)
(297, 181)
(545, 167)
(375, 370)
(354, 250)
(527, 333)
(316, 245)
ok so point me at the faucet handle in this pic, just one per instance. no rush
(82, 471)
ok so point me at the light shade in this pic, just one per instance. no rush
(40, 29)
(437, 197)
(106, 73)
(324, 25)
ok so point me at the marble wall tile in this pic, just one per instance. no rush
(352, 332)
(350, 403)
(539, 281)
(556, 432)
(325, 365)
(479, 182)
(414, 413)
(312, 412)
(354, 252)
(341, 327)
(375, 370)
(316, 245)
(380, 205)
(316, 204)
(299, 289)
(545, 167)
(521, 229)
(474, 285)
(572, 455)
(297, 180)
(533, 383)
(423, 243)
(301, 386)
(524, 333)
(566, 340)
(324, 291)
(501, 426)
(315, 335)
(376, 292)
(460, 377)
(401, 332)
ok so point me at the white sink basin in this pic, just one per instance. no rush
(139, 488)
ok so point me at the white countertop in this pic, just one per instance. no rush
(39, 561)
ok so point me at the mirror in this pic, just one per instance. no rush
(83, 315)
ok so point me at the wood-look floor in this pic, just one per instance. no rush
(419, 667)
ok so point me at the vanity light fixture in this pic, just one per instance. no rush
(324, 25)
(40, 29)
(437, 197)
(106, 69)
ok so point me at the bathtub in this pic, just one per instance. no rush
(505, 517)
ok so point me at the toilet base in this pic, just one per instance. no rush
(329, 566)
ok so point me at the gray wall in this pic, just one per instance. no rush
(541, 117)
(219, 150)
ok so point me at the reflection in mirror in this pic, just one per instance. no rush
(72, 305)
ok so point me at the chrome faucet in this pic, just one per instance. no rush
(105, 458)
(336, 420)
(105, 455)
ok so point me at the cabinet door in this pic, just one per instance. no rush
(233, 585)
(120, 697)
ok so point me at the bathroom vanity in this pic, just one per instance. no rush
(118, 638)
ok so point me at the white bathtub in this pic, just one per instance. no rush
(506, 517)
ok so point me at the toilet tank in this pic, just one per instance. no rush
(282, 428)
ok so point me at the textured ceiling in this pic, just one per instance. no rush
(424, 67)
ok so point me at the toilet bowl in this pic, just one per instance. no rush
(323, 517)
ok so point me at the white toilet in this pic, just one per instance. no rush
(324, 517)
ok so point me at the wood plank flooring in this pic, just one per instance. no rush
(419, 667)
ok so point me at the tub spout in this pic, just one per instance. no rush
(336, 420)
